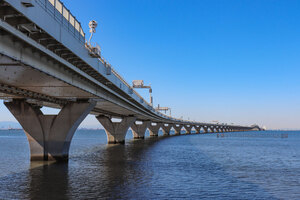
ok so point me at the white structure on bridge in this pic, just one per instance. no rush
(44, 62)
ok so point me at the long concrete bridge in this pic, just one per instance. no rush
(44, 61)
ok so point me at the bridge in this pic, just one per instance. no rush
(45, 61)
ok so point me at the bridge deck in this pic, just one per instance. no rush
(44, 59)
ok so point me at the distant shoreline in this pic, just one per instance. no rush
(20, 129)
(94, 129)
(11, 129)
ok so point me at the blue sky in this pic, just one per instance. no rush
(232, 61)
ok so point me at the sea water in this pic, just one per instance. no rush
(240, 165)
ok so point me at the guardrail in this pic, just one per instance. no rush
(129, 86)
(61, 14)
(105, 63)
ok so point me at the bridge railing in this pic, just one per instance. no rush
(61, 14)
(130, 87)
(57, 10)
(150, 107)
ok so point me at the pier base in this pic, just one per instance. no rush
(166, 129)
(154, 129)
(188, 129)
(49, 136)
(198, 129)
(177, 129)
(116, 131)
(139, 130)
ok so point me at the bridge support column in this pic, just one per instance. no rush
(197, 129)
(49, 136)
(166, 129)
(116, 131)
(177, 129)
(188, 129)
(212, 129)
(205, 129)
(139, 130)
(154, 129)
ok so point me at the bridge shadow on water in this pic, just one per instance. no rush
(135, 170)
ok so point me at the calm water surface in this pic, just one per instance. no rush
(256, 165)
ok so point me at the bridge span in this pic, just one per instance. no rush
(44, 61)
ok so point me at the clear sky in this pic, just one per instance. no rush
(231, 61)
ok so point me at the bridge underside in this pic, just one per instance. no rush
(29, 70)
(18, 81)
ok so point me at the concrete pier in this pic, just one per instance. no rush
(139, 130)
(188, 129)
(166, 129)
(177, 129)
(197, 129)
(153, 129)
(49, 136)
(116, 131)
